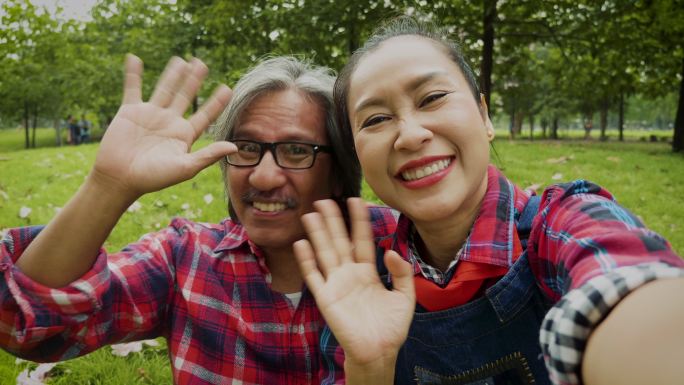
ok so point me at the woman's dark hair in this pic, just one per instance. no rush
(400, 26)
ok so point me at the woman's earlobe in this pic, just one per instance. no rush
(490, 131)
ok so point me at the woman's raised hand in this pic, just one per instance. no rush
(147, 145)
(369, 321)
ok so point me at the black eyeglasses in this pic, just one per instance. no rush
(293, 155)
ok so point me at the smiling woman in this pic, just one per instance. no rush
(500, 286)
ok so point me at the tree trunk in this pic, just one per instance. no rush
(531, 127)
(511, 124)
(353, 40)
(517, 123)
(26, 123)
(621, 117)
(588, 125)
(678, 137)
(545, 126)
(604, 121)
(488, 20)
(554, 128)
(34, 124)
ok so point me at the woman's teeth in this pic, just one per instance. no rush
(426, 170)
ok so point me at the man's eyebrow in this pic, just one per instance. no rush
(410, 86)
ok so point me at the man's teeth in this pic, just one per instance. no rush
(269, 207)
(426, 170)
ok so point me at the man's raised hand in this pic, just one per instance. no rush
(147, 146)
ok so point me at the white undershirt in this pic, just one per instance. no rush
(294, 298)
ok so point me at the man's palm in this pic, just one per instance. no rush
(147, 145)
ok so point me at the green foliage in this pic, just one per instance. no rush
(552, 60)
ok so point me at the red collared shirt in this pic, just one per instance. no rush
(204, 287)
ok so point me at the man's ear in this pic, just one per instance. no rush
(484, 111)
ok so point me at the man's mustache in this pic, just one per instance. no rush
(262, 196)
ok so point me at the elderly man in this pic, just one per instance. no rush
(228, 297)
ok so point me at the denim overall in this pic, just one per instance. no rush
(491, 340)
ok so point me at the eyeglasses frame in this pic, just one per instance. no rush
(271, 146)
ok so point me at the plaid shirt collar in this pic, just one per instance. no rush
(493, 239)
(235, 238)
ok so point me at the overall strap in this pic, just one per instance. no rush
(524, 224)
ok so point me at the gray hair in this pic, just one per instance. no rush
(284, 73)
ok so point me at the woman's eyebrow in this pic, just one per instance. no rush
(412, 85)
(424, 78)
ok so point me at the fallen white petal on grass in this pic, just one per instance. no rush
(185, 206)
(19, 361)
(154, 343)
(159, 203)
(36, 376)
(42, 370)
(24, 379)
(24, 212)
(122, 350)
(135, 206)
(208, 198)
(557, 176)
(614, 159)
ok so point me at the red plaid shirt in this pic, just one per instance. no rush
(204, 287)
(580, 233)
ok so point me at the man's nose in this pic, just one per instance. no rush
(411, 135)
(267, 175)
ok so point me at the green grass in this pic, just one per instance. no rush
(56, 173)
(8, 369)
(578, 134)
(151, 366)
(646, 177)
(12, 139)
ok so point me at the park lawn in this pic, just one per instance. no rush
(14, 139)
(645, 177)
